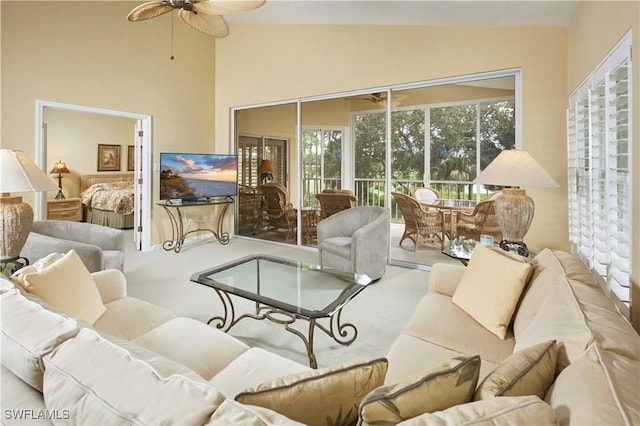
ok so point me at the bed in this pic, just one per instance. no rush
(108, 199)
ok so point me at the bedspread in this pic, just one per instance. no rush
(113, 196)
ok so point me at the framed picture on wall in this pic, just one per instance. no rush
(130, 158)
(108, 158)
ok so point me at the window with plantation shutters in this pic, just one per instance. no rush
(599, 158)
(252, 150)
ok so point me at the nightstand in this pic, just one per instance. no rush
(67, 209)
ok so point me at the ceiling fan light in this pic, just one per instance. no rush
(149, 10)
(213, 25)
(226, 7)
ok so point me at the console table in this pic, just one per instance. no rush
(178, 234)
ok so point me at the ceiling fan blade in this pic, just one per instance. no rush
(226, 7)
(213, 25)
(149, 10)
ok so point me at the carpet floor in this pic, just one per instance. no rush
(379, 312)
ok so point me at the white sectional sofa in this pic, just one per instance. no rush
(126, 361)
(132, 362)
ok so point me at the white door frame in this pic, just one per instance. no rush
(142, 168)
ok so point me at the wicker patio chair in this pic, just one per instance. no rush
(482, 221)
(332, 201)
(418, 221)
(424, 195)
(280, 212)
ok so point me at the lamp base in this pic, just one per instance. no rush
(519, 246)
(514, 211)
(16, 219)
(60, 195)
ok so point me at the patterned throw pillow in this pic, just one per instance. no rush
(320, 397)
(527, 372)
(439, 388)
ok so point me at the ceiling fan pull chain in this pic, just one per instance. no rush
(172, 17)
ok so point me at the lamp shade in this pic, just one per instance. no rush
(19, 174)
(515, 168)
(266, 167)
(59, 167)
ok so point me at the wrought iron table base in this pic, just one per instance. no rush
(342, 333)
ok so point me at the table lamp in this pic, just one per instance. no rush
(17, 174)
(514, 208)
(266, 171)
(60, 167)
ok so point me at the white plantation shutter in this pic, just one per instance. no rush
(599, 158)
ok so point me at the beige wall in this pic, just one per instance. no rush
(596, 28)
(87, 53)
(292, 61)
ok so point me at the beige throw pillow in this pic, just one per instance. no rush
(67, 285)
(491, 287)
(320, 397)
(439, 388)
(527, 372)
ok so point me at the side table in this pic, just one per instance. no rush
(66, 209)
(462, 249)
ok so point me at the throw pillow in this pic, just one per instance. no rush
(67, 285)
(18, 277)
(491, 287)
(527, 372)
(320, 397)
(439, 388)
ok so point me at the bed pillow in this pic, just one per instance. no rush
(68, 286)
(438, 388)
(527, 372)
(320, 397)
(491, 287)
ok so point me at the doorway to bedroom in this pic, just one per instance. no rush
(78, 135)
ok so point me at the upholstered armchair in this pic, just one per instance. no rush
(419, 221)
(98, 246)
(334, 201)
(482, 221)
(355, 240)
(280, 212)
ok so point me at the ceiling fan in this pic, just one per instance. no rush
(203, 15)
(381, 98)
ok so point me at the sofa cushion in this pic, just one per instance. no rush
(67, 285)
(521, 410)
(29, 332)
(79, 376)
(128, 318)
(449, 384)
(459, 332)
(235, 413)
(559, 307)
(599, 388)
(409, 355)
(549, 268)
(251, 368)
(527, 372)
(200, 347)
(318, 397)
(491, 287)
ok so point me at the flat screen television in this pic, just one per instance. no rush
(197, 177)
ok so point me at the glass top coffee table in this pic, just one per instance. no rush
(284, 291)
